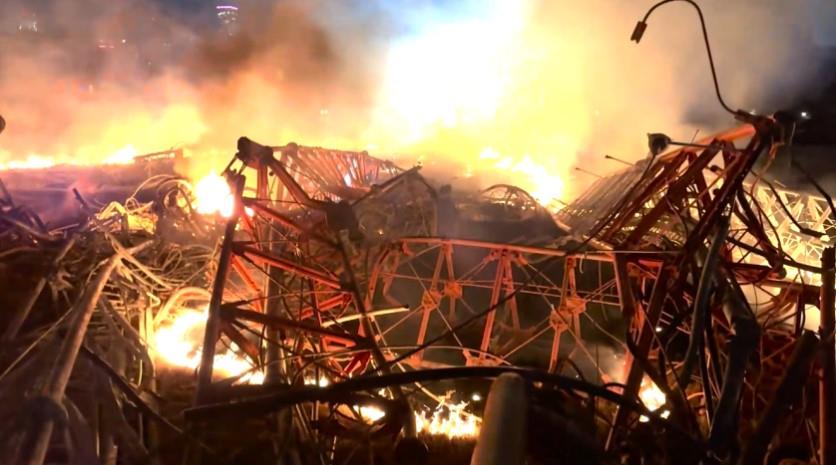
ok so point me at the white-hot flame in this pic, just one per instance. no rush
(179, 344)
(213, 195)
(653, 398)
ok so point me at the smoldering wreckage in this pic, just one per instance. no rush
(313, 305)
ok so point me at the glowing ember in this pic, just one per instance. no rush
(214, 196)
(323, 381)
(653, 398)
(449, 420)
(178, 344)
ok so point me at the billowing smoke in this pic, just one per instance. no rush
(497, 91)
(98, 77)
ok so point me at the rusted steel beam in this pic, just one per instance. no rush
(248, 279)
(677, 189)
(785, 397)
(628, 310)
(231, 313)
(740, 132)
(327, 304)
(667, 174)
(484, 245)
(430, 301)
(556, 321)
(827, 382)
(247, 346)
(258, 156)
(496, 294)
(646, 333)
(213, 319)
(274, 276)
(293, 187)
(736, 172)
(274, 215)
(258, 256)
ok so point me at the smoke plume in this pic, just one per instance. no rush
(492, 90)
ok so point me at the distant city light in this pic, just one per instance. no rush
(228, 14)
(28, 24)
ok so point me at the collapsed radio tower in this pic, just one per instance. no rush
(358, 293)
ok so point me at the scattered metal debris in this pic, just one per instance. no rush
(343, 297)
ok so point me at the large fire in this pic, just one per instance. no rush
(453, 87)
(178, 344)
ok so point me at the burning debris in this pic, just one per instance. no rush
(311, 287)
(303, 304)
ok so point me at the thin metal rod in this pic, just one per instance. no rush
(276, 322)
(638, 352)
(827, 382)
(691, 144)
(707, 46)
(40, 435)
(213, 319)
(19, 317)
(625, 162)
(588, 172)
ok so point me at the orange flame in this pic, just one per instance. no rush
(653, 398)
(449, 420)
(178, 344)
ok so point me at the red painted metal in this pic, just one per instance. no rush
(641, 245)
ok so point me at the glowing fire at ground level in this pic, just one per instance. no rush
(171, 335)
(177, 345)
